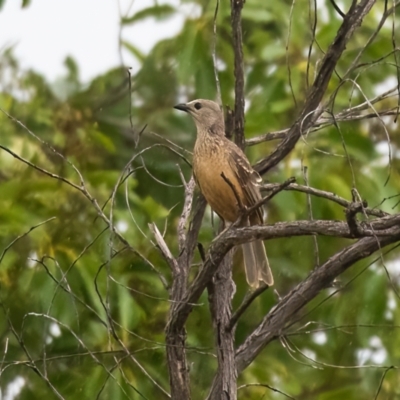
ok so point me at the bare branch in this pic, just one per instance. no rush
(274, 323)
(310, 216)
(236, 11)
(165, 251)
(313, 18)
(23, 235)
(214, 54)
(382, 379)
(327, 195)
(310, 112)
(351, 212)
(220, 293)
(266, 386)
(273, 192)
(176, 335)
(338, 10)
(289, 71)
(187, 208)
(267, 137)
(346, 115)
(198, 208)
(383, 228)
(247, 301)
(385, 15)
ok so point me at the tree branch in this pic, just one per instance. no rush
(381, 227)
(323, 122)
(187, 208)
(310, 112)
(247, 301)
(220, 293)
(326, 195)
(176, 335)
(165, 251)
(236, 10)
(274, 323)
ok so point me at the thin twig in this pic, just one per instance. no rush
(326, 195)
(214, 54)
(266, 386)
(273, 192)
(247, 301)
(310, 216)
(23, 235)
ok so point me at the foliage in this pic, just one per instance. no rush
(75, 298)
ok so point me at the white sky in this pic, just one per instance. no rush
(49, 30)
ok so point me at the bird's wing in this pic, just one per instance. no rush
(248, 179)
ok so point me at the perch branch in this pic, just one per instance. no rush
(384, 227)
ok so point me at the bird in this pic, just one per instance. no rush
(228, 182)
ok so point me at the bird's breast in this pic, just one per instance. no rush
(210, 164)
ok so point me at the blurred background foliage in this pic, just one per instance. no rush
(59, 281)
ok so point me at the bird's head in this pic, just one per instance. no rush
(207, 115)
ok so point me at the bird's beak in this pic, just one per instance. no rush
(182, 107)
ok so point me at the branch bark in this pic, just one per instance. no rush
(220, 293)
(176, 334)
(236, 11)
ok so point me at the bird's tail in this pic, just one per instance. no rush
(256, 264)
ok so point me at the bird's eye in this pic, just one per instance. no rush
(197, 106)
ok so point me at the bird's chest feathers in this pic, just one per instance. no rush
(210, 162)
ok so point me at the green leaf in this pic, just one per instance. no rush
(159, 12)
(134, 50)
(129, 310)
(103, 140)
(257, 15)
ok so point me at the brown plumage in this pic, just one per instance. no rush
(214, 155)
